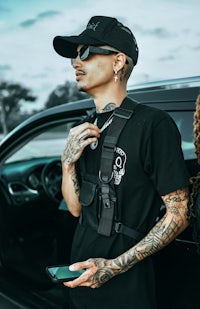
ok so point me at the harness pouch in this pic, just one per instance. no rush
(87, 193)
(89, 201)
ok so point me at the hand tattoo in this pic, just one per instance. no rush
(105, 270)
(74, 147)
(79, 137)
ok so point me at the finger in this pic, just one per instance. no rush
(83, 134)
(87, 142)
(88, 133)
(81, 265)
(89, 125)
(84, 126)
(80, 281)
(95, 286)
(70, 284)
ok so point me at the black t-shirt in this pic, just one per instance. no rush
(148, 164)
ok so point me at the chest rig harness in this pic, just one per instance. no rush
(108, 222)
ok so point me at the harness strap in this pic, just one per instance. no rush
(108, 195)
(108, 201)
(108, 149)
(123, 229)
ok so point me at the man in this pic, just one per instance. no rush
(147, 170)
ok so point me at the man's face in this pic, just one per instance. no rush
(94, 73)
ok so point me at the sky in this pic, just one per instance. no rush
(167, 32)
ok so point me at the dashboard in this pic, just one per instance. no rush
(30, 180)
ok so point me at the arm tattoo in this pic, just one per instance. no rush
(75, 182)
(165, 230)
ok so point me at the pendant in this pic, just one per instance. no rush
(94, 145)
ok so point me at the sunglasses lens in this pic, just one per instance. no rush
(84, 52)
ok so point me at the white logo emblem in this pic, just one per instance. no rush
(93, 26)
(119, 165)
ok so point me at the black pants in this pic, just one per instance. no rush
(71, 306)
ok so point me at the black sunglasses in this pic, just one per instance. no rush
(85, 52)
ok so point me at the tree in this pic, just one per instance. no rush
(11, 95)
(64, 94)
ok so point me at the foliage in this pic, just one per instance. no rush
(64, 94)
(11, 95)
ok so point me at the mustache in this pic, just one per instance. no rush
(80, 72)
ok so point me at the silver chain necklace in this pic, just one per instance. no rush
(94, 145)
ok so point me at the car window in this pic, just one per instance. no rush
(184, 121)
(51, 141)
(46, 144)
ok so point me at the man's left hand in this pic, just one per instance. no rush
(98, 271)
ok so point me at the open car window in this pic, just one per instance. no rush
(49, 143)
(185, 126)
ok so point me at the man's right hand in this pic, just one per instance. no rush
(79, 137)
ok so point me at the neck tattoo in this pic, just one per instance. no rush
(109, 107)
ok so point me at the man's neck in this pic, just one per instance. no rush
(107, 103)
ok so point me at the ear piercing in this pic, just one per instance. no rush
(115, 75)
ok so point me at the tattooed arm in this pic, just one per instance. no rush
(170, 225)
(79, 137)
(70, 189)
(174, 221)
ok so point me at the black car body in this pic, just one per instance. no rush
(36, 229)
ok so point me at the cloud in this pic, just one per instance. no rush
(28, 23)
(158, 32)
(167, 58)
(161, 33)
(48, 14)
(44, 15)
(5, 67)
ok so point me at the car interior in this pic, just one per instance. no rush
(36, 229)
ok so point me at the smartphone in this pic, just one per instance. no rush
(61, 273)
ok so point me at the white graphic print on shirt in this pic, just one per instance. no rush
(119, 165)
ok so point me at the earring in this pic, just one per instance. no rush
(115, 76)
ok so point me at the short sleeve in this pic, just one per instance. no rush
(166, 164)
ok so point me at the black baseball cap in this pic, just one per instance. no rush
(100, 30)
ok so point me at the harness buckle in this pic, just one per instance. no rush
(118, 227)
(105, 179)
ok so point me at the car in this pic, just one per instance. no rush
(36, 228)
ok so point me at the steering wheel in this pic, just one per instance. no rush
(51, 178)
